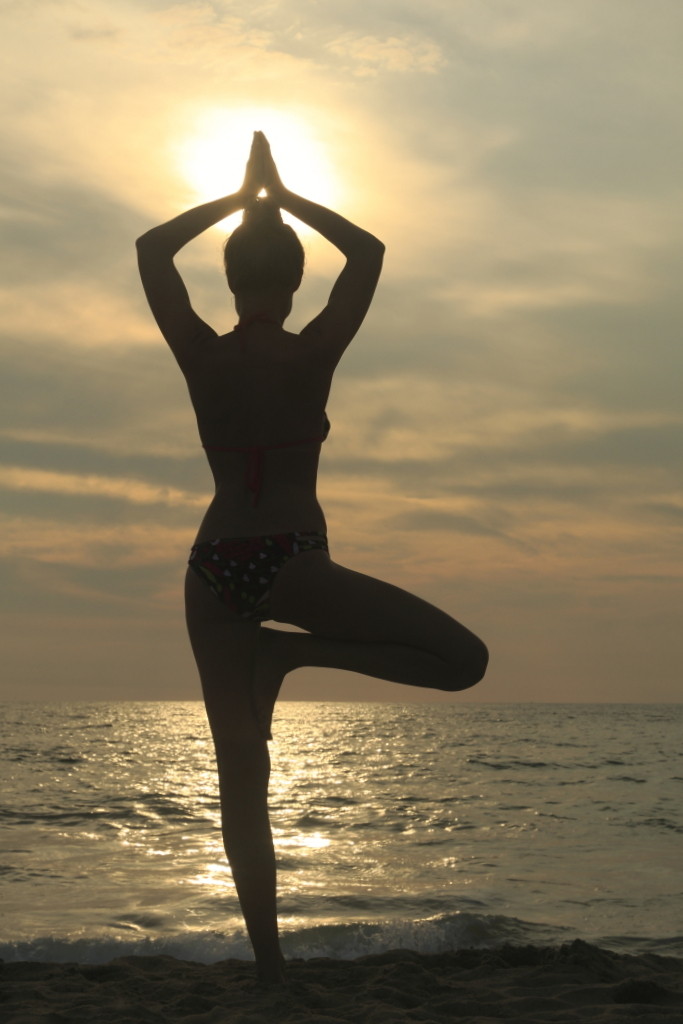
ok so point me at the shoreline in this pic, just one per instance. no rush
(574, 982)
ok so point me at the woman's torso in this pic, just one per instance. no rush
(263, 392)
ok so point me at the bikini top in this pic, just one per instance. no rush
(253, 475)
(255, 453)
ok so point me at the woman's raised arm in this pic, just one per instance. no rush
(353, 290)
(165, 290)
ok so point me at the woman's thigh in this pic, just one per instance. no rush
(224, 648)
(318, 595)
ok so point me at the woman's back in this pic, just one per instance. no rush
(259, 385)
(259, 395)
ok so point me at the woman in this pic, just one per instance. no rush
(259, 394)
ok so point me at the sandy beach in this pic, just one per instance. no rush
(576, 983)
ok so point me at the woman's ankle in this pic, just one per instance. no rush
(271, 972)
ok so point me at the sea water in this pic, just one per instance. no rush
(423, 826)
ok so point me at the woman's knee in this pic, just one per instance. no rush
(478, 662)
(470, 667)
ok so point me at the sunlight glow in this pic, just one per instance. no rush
(212, 159)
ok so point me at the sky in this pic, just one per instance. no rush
(506, 427)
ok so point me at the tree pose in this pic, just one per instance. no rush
(261, 554)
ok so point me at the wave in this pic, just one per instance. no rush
(438, 934)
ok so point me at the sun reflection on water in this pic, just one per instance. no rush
(314, 841)
(214, 874)
(379, 813)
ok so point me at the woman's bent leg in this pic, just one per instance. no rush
(225, 652)
(359, 623)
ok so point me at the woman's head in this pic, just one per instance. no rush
(263, 252)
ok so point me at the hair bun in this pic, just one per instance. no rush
(263, 252)
(262, 212)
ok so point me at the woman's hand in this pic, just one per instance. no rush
(261, 172)
(271, 179)
(254, 178)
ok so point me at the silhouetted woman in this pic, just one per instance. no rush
(259, 393)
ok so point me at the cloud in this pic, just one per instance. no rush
(138, 492)
(370, 55)
(110, 402)
(117, 546)
(428, 520)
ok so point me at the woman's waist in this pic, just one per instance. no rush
(256, 474)
(234, 515)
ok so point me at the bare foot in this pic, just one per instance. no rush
(267, 676)
(272, 977)
(271, 971)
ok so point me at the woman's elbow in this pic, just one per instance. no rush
(153, 247)
(368, 245)
(145, 241)
(378, 247)
(373, 252)
(155, 240)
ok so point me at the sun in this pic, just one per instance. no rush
(212, 157)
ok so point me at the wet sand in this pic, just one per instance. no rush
(575, 983)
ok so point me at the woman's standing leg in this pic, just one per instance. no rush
(224, 651)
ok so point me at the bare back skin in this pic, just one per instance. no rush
(262, 387)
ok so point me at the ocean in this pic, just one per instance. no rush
(429, 827)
